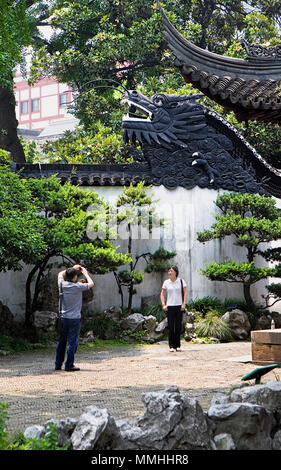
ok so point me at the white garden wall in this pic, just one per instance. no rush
(187, 212)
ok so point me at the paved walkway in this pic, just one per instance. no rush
(114, 378)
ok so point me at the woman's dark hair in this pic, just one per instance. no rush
(176, 269)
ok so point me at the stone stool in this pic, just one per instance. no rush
(266, 346)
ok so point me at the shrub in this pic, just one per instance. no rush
(213, 326)
(156, 310)
(102, 324)
(205, 304)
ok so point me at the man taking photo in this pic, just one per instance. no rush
(71, 303)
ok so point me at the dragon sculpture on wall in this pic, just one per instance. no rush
(187, 144)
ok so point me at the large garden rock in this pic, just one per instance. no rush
(6, 320)
(189, 332)
(238, 323)
(96, 429)
(34, 432)
(171, 421)
(267, 395)
(133, 322)
(158, 333)
(264, 322)
(113, 313)
(250, 426)
(45, 321)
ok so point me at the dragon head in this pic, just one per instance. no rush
(163, 119)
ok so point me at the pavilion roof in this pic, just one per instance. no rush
(250, 87)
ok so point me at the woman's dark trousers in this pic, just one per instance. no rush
(70, 334)
(174, 316)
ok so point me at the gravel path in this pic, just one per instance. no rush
(114, 378)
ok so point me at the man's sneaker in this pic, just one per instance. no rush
(72, 369)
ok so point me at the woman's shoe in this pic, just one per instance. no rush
(179, 349)
(172, 350)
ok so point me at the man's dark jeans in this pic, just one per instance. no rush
(70, 334)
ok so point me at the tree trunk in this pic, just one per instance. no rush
(28, 296)
(9, 140)
(248, 297)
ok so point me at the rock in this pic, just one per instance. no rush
(65, 428)
(249, 425)
(238, 323)
(219, 398)
(87, 338)
(158, 333)
(162, 327)
(6, 320)
(276, 444)
(96, 429)
(263, 323)
(189, 332)
(150, 323)
(267, 395)
(133, 322)
(34, 432)
(45, 321)
(189, 317)
(113, 313)
(171, 421)
(224, 441)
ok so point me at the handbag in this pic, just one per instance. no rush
(182, 296)
(59, 324)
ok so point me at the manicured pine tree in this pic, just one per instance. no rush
(253, 219)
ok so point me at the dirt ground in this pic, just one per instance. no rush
(115, 378)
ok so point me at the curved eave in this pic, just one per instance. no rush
(190, 54)
(260, 108)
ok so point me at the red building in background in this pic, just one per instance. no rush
(42, 105)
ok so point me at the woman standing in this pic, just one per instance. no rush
(175, 289)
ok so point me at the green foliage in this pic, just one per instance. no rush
(3, 431)
(20, 225)
(31, 151)
(157, 261)
(14, 344)
(98, 145)
(231, 271)
(252, 219)
(130, 277)
(213, 326)
(4, 157)
(101, 324)
(14, 37)
(156, 310)
(205, 304)
(19, 442)
(55, 223)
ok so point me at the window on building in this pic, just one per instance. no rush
(64, 100)
(24, 107)
(35, 105)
